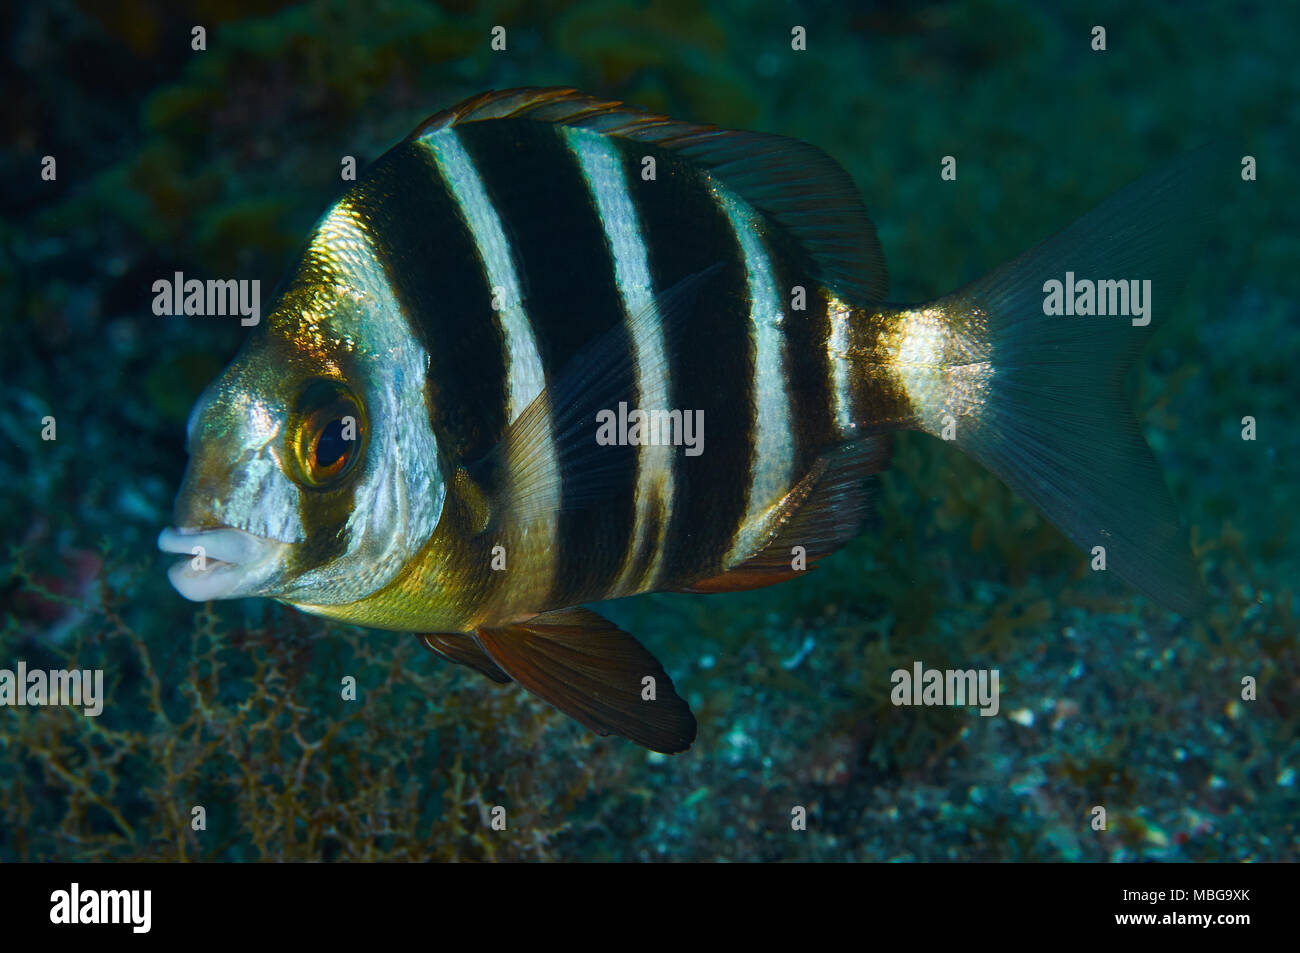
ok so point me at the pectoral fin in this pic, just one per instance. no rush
(555, 434)
(824, 511)
(595, 672)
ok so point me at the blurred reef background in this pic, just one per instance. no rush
(216, 162)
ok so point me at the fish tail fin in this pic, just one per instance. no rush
(1038, 397)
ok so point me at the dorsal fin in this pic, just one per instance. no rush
(796, 185)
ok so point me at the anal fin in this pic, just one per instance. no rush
(593, 671)
(830, 506)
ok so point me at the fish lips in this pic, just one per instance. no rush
(233, 562)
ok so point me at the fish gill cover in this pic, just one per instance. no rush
(169, 142)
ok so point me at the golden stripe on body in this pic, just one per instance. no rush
(941, 360)
(907, 368)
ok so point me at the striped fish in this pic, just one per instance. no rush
(551, 350)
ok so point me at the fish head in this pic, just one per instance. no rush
(313, 475)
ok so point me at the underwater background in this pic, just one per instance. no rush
(216, 162)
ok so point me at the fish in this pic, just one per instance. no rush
(551, 350)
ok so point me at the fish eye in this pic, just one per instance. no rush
(331, 445)
(327, 434)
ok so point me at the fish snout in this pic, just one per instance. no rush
(220, 563)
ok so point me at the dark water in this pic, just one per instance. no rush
(215, 162)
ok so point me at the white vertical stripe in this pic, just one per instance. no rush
(602, 169)
(837, 351)
(773, 440)
(524, 376)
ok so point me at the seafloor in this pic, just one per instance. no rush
(215, 162)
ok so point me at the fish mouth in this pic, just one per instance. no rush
(234, 562)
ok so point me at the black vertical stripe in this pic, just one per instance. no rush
(805, 362)
(566, 274)
(710, 354)
(436, 273)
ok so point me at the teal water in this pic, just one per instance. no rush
(215, 162)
